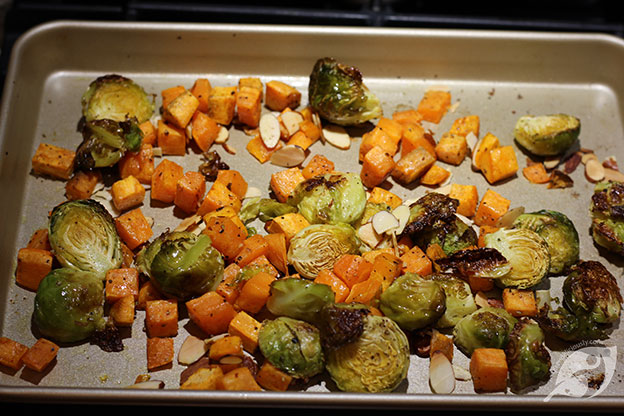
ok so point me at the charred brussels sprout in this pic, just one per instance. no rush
(527, 253)
(560, 236)
(293, 346)
(547, 135)
(431, 209)
(452, 236)
(330, 198)
(69, 305)
(106, 141)
(181, 264)
(341, 323)
(487, 327)
(528, 359)
(319, 246)
(264, 209)
(374, 363)
(459, 300)
(481, 262)
(299, 299)
(607, 212)
(338, 93)
(413, 302)
(83, 236)
(117, 98)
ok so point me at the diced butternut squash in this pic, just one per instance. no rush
(252, 82)
(120, 283)
(310, 129)
(492, 206)
(181, 109)
(226, 236)
(53, 161)
(452, 149)
(407, 117)
(318, 165)
(435, 175)
(392, 128)
(519, 302)
(133, 228)
(205, 130)
(329, 278)
(480, 284)
(160, 352)
(40, 355)
(211, 313)
(536, 173)
(434, 105)
(488, 367)
(171, 139)
(138, 164)
(499, 164)
(377, 166)
(277, 251)
(150, 135)
(170, 94)
(413, 166)
(416, 261)
(165, 180)
(161, 318)
(255, 292)
(127, 193)
(201, 90)
(263, 263)
(352, 269)
(258, 149)
(229, 345)
(253, 247)
(122, 311)
(468, 198)
(378, 137)
(230, 286)
(271, 378)
(365, 292)
(380, 195)
(39, 239)
(82, 184)
(12, 353)
(249, 105)
(288, 224)
(372, 254)
(219, 196)
(279, 96)
(247, 328)
(239, 379)
(222, 104)
(300, 139)
(284, 182)
(205, 378)
(234, 181)
(33, 264)
(190, 191)
(465, 125)
(414, 135)
(487, 143)
(388, 267)
(147, 292)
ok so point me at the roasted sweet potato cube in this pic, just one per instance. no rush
(165, 180)
(39, 239)
(211, 313)
(416, 261)
(487, 143)
(138, 164)
(434, 105)
(435, 175)
(378, 137)
(201, 90)
(288, 224)
(127, 193)
(226, 235)
(205, 378)
(161, 318)
(120, 283)
(40, 355)
(190, 191)
(255, 292)
(519, 302)
(180, 111)
(253, 247)
(280, 96)
(133, 228)
(160, 352)
(204, 130)
(452, 149)
(53, 161)
(391, 127)
(219, 196)
(414, 135)
(492, 206)
(488, 367)
(149, 133)
(377, 166)
(33, 264)
(234, 181)
(239, 379)
(247, 328)
(468, 198)
(82, 184)
(352, 269)
(318, 165)
(273, 379)
(171, 139)
(230, 345)
(147, 292)
(222, 104)
(412, 166)
(170, 94)
(407, 117)
(252, 82)
(11, 353)
(258, 149)
(383, 196)
(465, 125)
(249, 105)
(284, 182)
(499, 163)
(338, 286)
(122, 311)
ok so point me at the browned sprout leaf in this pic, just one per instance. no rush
(558, 179)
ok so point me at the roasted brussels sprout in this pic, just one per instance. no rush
(330, 198)
(482, 262)
(264, 209)
(299, 299)
(338, 94)
(428, 210)
(607, 212)
(370, 209)
(413, 302)
(527, 253)
(293, 346)
(528, 360)
(182, 264)
(106, 141)
(459, 300)
(487, 327)
(69, 305)
(547, 135)
(341, 323)
(319, 246)
(83, 236)
(560, 236)
(452, 236)
(374, 363)
(117, 98)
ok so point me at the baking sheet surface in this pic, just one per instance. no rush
(53, 111)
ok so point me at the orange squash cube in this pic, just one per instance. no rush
(279, 96)
(255, 292)
(149, 133)
(468, 198)
(488, 367)
(160, 352)
(234, 181)
(161, 318)
(413, 166)
(12, 353)
(273, 379)
(519, 302)
(211, 313)
(33, 264)
(171, 139)
(120, 283)
(249, 105)
(499, 163)
(82, 184)
(434, 105)
(181, 109)
(414, 135)
(318, 165)
(491, 208)
(127, 193)
(190, 191)
(239, 379)
(247, 328)
(40, 355)
(122, 311)
(377, 166)
(204, 130)
(222, 104)
(201, 90)
(133, 228)
(284, 182)
(53, 161)
(258, 149)
(138, 164)
(165, 181)
(219, 196)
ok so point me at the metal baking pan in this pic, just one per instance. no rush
(497, 75)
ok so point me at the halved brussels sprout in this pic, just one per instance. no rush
(484, 262)
(106, 141)
(487, 327)
(338, 94)
(452, 236)
(526, 252)
(331, 198)
(264, 209)
(83, 236)
(413, 302)
(116, 98)
(528, 360)
(459, 300)
(341, 323)
(560, 236)
(607, 213)
(547, 135)
(319, 246)
(374, 363)
(299, 299)
(429, 210)
(293, 346)
(69, 305)
(182, 264)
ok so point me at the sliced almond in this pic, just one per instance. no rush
(316, 119)
(441, 374)
(148, 385)
(337, 136)
(610, 163)
(368, 235)
(231, 359)
(472, 141)
(192, 349)
(188, 222)
(384, 221)
(552, 163)
(594, 170)
(253, 192)
(291, 120)
(288, 156)
(481, 299)
(269, 130)
(402, 213)
(223, 135)
(586, 157)
(230, 149)
(461, 373)
(613, 175)
(509, 217)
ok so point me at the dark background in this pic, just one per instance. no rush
(598, 16)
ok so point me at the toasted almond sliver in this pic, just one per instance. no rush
(188, 222)
(613, 175)
(192, 349)
(441, 374)
(461, 373)
(509, 217)
(552, 163)
(472, 141)
(157, 151)
(231, 359)
(148, 385)
(594, 170)
(253, 192)
(481, 299)
(402, 213)
(337, 136)
(269, 130)
(288, 156)
(230, 149)
(586, 157)
(368, 235)
(384, 221)
(291, 120)
(222, 136)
